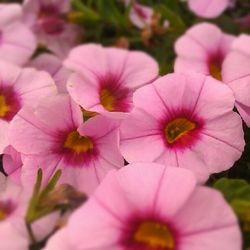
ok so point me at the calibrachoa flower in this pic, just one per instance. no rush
(140, 15)
(185, 121)
(106, 78)
(209, 8)
(48, 20)
(55, 137)
(203, 48)
(53, 65)
(236, 73)
(151, 207)
(20, 87)
(13, 205)
(17, 42)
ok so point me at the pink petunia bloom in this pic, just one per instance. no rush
(209, 8)
(140, 15)
(151, 207)
(13, 205)
(20, 87)
(204, 48)
(106, 78)
(47, 20)
(188, 122)
(17, 42)
(53, 65)
(236, 73)
(53, 136)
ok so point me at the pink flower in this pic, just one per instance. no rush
(17, 42)
(53, 65)
(204, 48)
(140, 15)
(208, 8)
(20, 87)
(46, 18)
(236, 73)
(53, 136)
(106, 78)
(185, 121)
(150, 207)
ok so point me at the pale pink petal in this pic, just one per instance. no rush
(48, 112)
(209, 105)
(77, 85)
(208, 8)
(94, 62)
(38, 137)
(207, 231)
(53, 65)
(59, 241)
(10, 13)
(4, 140)
(33, 85)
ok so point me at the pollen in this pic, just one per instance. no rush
(178, 128)
(77, 143)
(154, 235)
(107, 99)
(215, 70)
(4, 107)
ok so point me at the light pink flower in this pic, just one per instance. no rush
(236, 73)
(55, 137)
(150, 206)
(140, 15)
(53, 65)
(17, 42)
(106, 78)
(19, 87)
(204, 48)
(185, 121)
(46, 19)
(208, 8)
(13, 205)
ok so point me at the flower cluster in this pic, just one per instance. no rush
(100, 150)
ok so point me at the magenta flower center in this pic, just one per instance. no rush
(177, 129)
(6, 208)
(9, 103)
(153, 235)
(114, 97)
(77, 143)
(51, 20)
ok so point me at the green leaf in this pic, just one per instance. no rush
(233, 188)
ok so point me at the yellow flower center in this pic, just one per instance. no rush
(177, 128)
(3, 215)
(215, 70)
(154, 235)
(79, 144)
(107, 99)
(4, 107)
